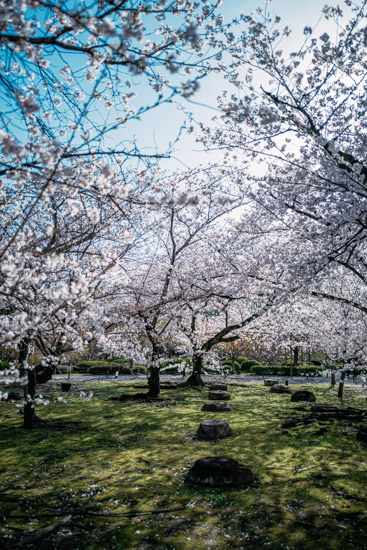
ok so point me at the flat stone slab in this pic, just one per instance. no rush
(323, 407)
(219, 471)
(213, 429)
(219, 395)
(303, 395)
(217, 406)
(269, 382)
(279, 388)
(221, 386)
(362, 434)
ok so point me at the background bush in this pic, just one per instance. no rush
(4, 365)
(241, 363)
(283, 370)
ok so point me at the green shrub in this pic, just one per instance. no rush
(282, 370)
(169, 370)
(247, 364)
(103, 369)
(241, 363)
(124, 369)
(83, 366)
(120, 360)
(4, 365)
(236, 365)
(141, 369)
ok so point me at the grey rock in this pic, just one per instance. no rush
(303, 395)
(279, 388)
(219, 395)
(221, 386)
(217, 406)
(323, 407)
(269, 382)
(213, 429)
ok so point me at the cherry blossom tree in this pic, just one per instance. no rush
(294, 133)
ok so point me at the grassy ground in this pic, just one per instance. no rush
(113, 466)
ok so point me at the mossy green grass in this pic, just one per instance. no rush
(118, 468)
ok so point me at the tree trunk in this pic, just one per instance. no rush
(29, 416)
(341, 385)
(29, 410)
(154, 382)
(232, 359)
(197, 369)
(333, 381)
(296, 356)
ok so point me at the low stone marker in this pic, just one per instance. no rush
(279, 388)
(219, 395)
(213, 429)
(303, 395)
(65, 386)
(217, 406)
(323, 407)
(221, 386)
(362, 434)
(269, 382)
(219, 471)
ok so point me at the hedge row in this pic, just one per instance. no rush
(122, 369)
(241, 363)
(4, 365)
(283, 370)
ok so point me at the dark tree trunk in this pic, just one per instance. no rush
(341, 385)
(197, 369)
(29, 410)
(296, 356)
(154, 382)
(29, 416)
(233, 359)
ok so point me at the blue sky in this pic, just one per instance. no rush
(160, 126)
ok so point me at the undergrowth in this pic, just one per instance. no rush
(118, 469)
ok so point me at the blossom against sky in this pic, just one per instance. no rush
(160, 126)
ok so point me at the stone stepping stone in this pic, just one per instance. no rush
(323, 407)
(279, 388)
(219, 395)
(221, 386)
(269, 382)
(213, 429)
(303, 395)
(217, 406)
(219, 471)
(362, 434)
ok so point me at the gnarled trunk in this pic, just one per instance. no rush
(341, 385)
(154, 382)
(197, 369)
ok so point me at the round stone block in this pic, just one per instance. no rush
(279, 388)
(219, 471)
(303, 395)
(269, 382)
(65, 386)
(213, 429)
(220, 395)
(221, 386)
(217, 406)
